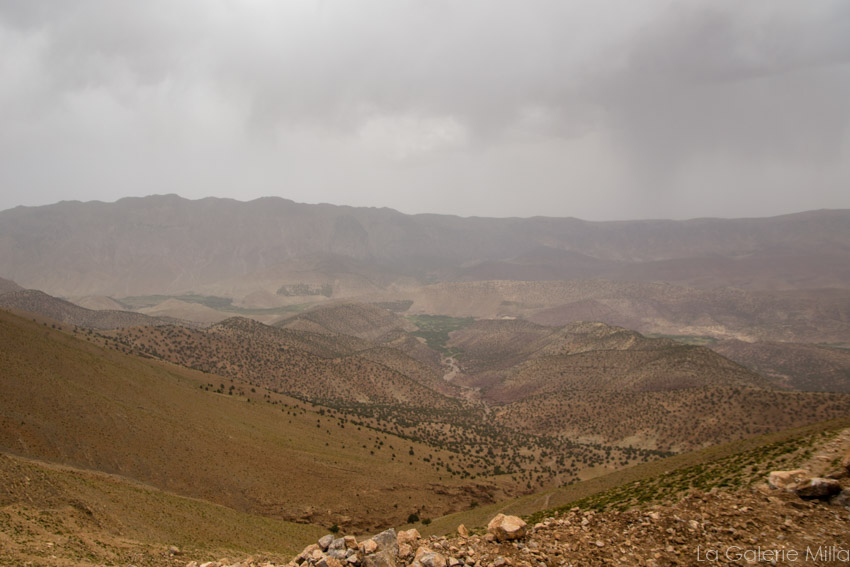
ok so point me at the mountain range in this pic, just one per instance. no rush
(167, 244)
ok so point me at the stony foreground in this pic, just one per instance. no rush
(756, 526)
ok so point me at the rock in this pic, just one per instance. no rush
(408, 536)
(350, 542)
(326, 541)
(404, 550)
(787, 480)
(368, 547)
(845, 462)
(462, 531)
(818, 488)
(329, 562)
(506, 528)
(383, 558)
(307, 551)
(387, 541)
(174, 550)
(431, 559)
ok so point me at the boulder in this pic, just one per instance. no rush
(408, 536)
(431, 559)
(308, 552)
(326, 541)
(462, 531)
(368, 547)
(387, 541)
(505, 528)
(788, 480)
(384, 558)
(818, 488)
(329, 562)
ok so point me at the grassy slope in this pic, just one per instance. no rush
(663, 478)
(70, 401)
(82, 516)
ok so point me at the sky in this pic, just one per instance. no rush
(622, 109)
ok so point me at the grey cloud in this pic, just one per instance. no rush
(597, 107)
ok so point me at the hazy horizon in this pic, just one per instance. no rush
(251, 199)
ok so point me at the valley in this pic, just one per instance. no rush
(369, 382)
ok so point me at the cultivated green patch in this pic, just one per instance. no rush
(435, 330)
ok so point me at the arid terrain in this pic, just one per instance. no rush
(249, 390)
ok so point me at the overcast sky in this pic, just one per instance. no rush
(598, 110)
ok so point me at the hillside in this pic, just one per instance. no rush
(360, 320)
(59, 515)
(8, 286)
(814, 316)
(510, 360)
(70, 401)
(369, 322)
(812, 368)
(165, 244)
(38, 302)
(318, 367)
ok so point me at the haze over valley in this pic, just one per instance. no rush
(424, 284)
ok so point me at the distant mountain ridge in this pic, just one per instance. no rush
(167, 244)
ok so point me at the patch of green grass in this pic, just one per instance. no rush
(435, 330)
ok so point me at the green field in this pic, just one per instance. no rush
(435, 330)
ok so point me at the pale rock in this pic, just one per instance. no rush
(787, 480)
(506, 528)
(326, 541)
(845, 462)
(462, 531)
(308, 551)
(431, 559)
(408, 536)
(350, 542)
(404, 550)
(369, 546)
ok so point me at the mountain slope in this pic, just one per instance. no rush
(38, 302)
(795, 366)
(7, 286)
(69, 401)
(165, 244)
(87, 518)
(512, 359)
(317, 367)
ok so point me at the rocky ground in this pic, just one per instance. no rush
(761, 524)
